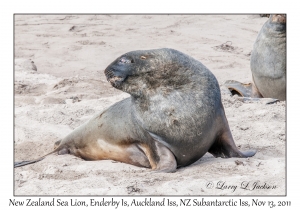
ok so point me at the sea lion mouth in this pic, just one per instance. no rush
(114, 80)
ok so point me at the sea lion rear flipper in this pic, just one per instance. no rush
(58, 148)
(23, 163)
(242, 89)
(225, 147)
(166, 161)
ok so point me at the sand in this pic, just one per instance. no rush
(70, 53)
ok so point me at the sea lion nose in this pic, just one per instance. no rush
(119, 68)
(115, 71)
(109, 73)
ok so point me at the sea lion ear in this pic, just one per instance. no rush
(148, 56)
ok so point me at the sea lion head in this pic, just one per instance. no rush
(278, 18)
(147, 70)
(277, 22)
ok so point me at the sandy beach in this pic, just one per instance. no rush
(68, 87)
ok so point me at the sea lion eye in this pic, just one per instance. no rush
(125, 60)
(143, 57)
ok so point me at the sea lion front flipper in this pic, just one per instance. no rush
(242, 89)
(225, 147)
(167, 162)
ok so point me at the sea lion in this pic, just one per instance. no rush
(172, 118)
(268, 63)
